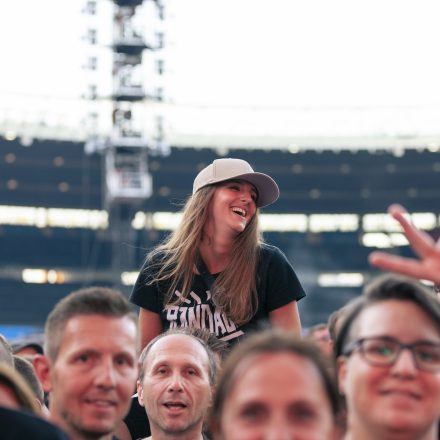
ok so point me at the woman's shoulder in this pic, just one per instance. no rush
(153, 259)
(268, 251)
(152, 264)
(155, 256)
(265, 247)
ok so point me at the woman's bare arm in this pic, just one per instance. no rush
(150, 325)
(286, 317)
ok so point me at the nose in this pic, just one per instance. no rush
(105, 374)
(278, 428)
(245, 195)
(405, 364)
(278, 433)
(175, 383)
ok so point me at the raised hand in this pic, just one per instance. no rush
(427, 267)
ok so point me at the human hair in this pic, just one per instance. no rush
(88, 301)
(27, 371)
(173, 261)
(269, 341)
(19, 347)
(212, 361)
(218, 346)
(384, 288)
(336, 319)
(332, 323)
(315, 328)
(21, 390)
(6, 352)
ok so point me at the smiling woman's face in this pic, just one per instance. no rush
(277, 395)
(233, 205)
(398, 396)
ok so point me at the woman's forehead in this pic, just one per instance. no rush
(391, 316)
(243, 182)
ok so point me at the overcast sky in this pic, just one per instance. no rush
(243, 67)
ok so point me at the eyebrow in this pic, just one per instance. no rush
(164, 363)
(245, 181)
(94, 352)
(387, 336)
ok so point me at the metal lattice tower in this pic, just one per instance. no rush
(129, 143)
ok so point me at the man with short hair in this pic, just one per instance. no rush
(175, 385)
(90, 362)
(320, 336)
(27, 348)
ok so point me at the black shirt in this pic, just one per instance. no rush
(277, 285)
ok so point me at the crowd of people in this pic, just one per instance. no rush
(206, 360)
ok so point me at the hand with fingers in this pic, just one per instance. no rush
(427, 267)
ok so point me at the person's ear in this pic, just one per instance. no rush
(42, 368)
(140, 393)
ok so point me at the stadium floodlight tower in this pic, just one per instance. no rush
(135, 131)
(127, 176)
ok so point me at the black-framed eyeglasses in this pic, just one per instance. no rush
(383, 351)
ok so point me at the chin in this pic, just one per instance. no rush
(402, 422)
(99, 427)
(96, 431)
(240, 228)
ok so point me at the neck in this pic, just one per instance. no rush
(359, 433)
(216, 252)
(73, 433)
(175, 436)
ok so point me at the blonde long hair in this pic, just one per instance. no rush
(235, 289)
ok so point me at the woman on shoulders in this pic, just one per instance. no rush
(214, 271)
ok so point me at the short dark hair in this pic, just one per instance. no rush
(89, 301)
(315, 328)
(384, 288)
(270, 341)
(212, 361)
(336, 319)
(332, 323)
(22, 345)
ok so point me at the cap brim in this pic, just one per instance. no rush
(268, 191)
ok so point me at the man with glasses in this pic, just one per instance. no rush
(388, 362)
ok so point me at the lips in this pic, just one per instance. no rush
(239, 211)
(175, 405)
(175, 408)
(101, 403)
(401, 392)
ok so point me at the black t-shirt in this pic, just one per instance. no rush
(17, 425)
(277, 285)
(137, 420)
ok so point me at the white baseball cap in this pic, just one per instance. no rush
(221, 170)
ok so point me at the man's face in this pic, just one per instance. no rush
(94, 374)
(175, 390)
(322, 339)
(277, 396)
(399, 396)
